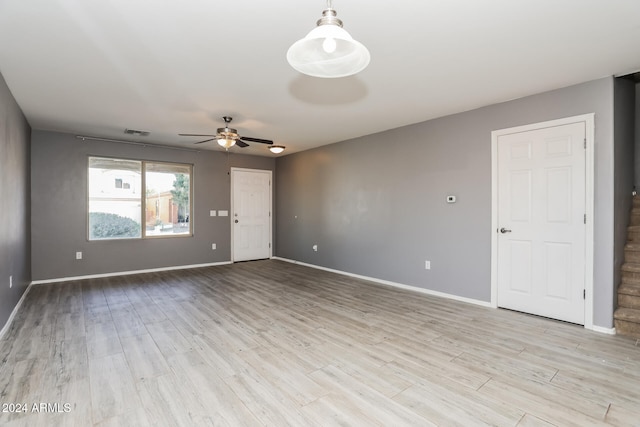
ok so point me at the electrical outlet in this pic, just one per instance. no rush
(213, 246)
(78, 255)
(10, 282)
(427, 265)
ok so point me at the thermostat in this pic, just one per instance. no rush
(451, 199)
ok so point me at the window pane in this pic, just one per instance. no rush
(168, 199)
(115, 200)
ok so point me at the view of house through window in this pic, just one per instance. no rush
(167, 199)
(120, 190)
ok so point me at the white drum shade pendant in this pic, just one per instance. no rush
(328, 50)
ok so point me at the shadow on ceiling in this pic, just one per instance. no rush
(313, 90)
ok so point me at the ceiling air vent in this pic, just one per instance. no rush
(136, 132)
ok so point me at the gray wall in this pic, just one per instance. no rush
(376, 205)
(15, 241)
(624, 137)
(59, 209)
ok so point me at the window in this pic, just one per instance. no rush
(159, 193)
(168, 199)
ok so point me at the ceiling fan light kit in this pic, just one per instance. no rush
(328, 51)
(227, 136)
(226, 143)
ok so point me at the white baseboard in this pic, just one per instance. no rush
(5, 328)
(394, 284)
(124, 273)
(602, 330)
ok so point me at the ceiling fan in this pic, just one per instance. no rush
(228, 137)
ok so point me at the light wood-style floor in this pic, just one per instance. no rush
(277, 344)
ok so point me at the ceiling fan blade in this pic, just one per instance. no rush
(206, 140)
(261, 141)
(240, 143)
(194, 134)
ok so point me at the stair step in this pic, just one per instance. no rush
(631, 256)
(633, 234)
(634, 218)
(627, 329)
(630, 280)
(632, 252)
(629, 289)
(631, 270)
(628, 301)
(629, 296)
(627, 314)
(627, 322)
(632, 267)
(633, 247)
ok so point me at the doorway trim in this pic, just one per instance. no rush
(589, 121)
(231, 215)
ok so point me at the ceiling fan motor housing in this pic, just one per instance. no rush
(228, 133)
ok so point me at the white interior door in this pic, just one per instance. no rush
(541, 222)
(251, 214)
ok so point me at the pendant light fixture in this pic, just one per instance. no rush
(328, 50)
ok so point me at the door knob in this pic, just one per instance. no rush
(504, 230)
(236, 221)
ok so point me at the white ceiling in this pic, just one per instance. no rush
(95, 67)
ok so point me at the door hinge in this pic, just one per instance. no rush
(584, 294)
(585, 143)
(269, 245)
(585, 218)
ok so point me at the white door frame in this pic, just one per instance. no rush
(231, 215)
(589, 121)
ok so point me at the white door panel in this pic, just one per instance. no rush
(251, 217)
(541, 207)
